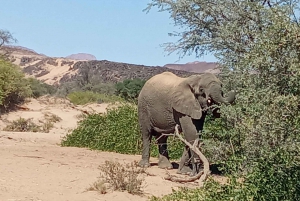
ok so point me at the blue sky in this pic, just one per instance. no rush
(114, 30)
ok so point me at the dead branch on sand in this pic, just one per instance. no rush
(202, 175)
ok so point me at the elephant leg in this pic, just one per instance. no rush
(191, 134)
(184, 167)
(146, 138)
(163, 161)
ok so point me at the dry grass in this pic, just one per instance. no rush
(98, 186)
(119, 177)
(22, 125)
(52, 117)
(28, 125)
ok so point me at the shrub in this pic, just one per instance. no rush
(116, 131)
(14, 88)
(39, 88)
(27, 125)
(274, 179)
(22, 125)
(122, 177)
(84, 97)
(129, 89)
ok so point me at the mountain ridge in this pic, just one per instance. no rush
(58, 70)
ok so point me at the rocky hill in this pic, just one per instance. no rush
(108, 71)
(58, 70)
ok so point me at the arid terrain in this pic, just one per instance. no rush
(35, 167)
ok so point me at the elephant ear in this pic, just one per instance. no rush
(185, 102)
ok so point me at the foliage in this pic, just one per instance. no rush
(129, 89)
(14, 88)
(257, 45)
(228, 28)
(40, 88)
(276, 179)
(84, 97)
(117, 131)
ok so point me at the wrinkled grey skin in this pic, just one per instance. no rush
(167, 100)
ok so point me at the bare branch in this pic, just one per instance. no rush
(6, 38)
(202, 175)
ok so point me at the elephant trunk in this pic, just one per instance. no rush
(217, 95)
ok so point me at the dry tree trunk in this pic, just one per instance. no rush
(202, 175)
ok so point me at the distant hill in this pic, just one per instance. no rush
(81, 56)
(196, 67)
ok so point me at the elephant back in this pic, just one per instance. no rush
(161, 84)
(159, 88)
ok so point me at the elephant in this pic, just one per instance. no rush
(166, 100)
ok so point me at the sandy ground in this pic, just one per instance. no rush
(34, 167)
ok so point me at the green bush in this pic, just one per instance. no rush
(101, 88)
(274, 179)
(116, 131)
(84, 97)
(129, 89)
(39, 88)
(14, 87)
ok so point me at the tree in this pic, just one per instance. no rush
(257, 43)
(5, 38)
(14, 87)
(220, 26)
(129, 89)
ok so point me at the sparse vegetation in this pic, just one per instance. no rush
(52, 117)
(22, 125)
(121, 177)
(84, 97)
(28, 125)
(99, 186)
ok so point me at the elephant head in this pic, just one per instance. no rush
(197, 92)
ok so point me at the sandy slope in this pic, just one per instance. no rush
(34, 167)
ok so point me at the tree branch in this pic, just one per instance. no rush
(202, 175)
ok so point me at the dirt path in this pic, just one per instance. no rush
(35, 167)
